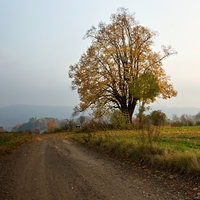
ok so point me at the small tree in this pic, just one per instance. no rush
(145, 88)
(158, 118)
(143, 119)
(186, 120)
(197, 116)
(82, 120)
(51, 126)
(175, 118)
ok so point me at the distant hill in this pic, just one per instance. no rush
(16, 114)
(40, 124)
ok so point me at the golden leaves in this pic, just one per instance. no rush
(120, 53)
(51, 126)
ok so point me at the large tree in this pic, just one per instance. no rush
(120, 68)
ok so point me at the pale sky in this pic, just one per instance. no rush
(40, 39)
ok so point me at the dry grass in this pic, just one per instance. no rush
(174, 149)
(10, 141)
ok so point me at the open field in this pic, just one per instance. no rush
(168, 148)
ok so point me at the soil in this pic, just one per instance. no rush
(60, 169)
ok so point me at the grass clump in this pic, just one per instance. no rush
(10, 141)
(182, 162)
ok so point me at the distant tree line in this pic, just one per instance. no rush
(115, 120)
(35, 124)
(186, 120)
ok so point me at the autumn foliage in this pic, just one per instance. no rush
(120, 68)
(51, 126)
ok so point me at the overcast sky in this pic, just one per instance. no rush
(40, 39)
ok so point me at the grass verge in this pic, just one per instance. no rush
(171, 149)
(10, 141)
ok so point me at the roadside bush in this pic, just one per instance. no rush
(36, 131)
(149, 135)
(93, 126)
(69, 125)
(118, 120)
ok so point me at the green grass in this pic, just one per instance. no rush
(10, 141)
(169, 148)
(182, 138)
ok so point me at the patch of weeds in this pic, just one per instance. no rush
(10, 141)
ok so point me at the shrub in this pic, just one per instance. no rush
(177, 124)
(158, 118)
(118, 120)
(36, 131)
(190, 123)
(93, 126)
(51, 126)
(197, 123)
(68, 125)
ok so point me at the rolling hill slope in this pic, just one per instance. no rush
(15, 114)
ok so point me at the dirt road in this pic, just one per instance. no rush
(56, 168)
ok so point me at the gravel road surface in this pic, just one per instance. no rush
(60, 169)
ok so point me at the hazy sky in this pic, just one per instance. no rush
(39, 40)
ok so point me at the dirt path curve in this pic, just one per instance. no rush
(56, 168)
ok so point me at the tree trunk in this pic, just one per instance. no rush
(131, 109)
(128, 111)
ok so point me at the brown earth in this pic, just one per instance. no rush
(60, 169)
